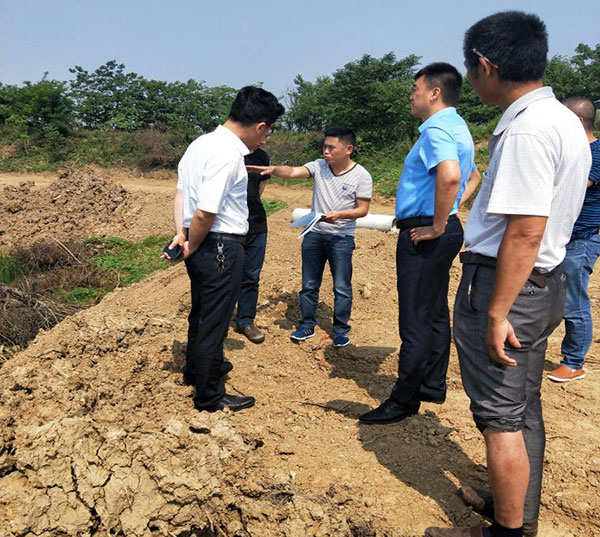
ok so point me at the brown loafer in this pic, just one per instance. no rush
(252, 333)
(473, 531)
(482, 503)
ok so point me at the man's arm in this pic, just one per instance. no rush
(261, 188)
(285, 172)
(180, 237)
(446, 188)
(472, 183)
(516, 259)
(202, 221)
(361, 209)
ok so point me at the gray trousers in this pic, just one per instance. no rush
(508, 398)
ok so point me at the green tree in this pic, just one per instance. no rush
(369, 95)
(575, 76)
(106, 97)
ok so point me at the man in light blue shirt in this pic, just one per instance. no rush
(432, 185)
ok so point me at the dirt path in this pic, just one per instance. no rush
(99, 435)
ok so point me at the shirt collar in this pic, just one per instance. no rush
(234, 139)
(521, 104)
(436, 118)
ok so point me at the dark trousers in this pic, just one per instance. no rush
(214, 296)
(508, 398)
(254, 257)
(424, 320)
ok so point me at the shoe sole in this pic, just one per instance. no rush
(341, 345)
(395, 420)
(558, 379)
(249, 405)
(293, 338)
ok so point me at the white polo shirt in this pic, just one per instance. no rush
(213, 177)
(539, 165)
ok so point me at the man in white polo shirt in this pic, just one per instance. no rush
(342, 192)
(512, 293)
(211, 219)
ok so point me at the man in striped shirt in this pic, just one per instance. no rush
(342, 192)
(582, 252)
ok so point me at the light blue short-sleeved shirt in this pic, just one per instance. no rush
(444, 136)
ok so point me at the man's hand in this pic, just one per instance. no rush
(425, 233)
(498, 332)
(186, 250)
(178, 240)
(332, 216)
(262, 170)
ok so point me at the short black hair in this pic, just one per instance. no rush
(515, 42)
(583, 108)
(446, 77)
(253, 105)
(343, 134)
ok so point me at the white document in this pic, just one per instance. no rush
(307, 221)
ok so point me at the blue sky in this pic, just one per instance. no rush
(237, 43)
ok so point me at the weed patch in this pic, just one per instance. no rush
(272, 206)
(128, 261)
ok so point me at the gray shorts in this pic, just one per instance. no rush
(502, 396)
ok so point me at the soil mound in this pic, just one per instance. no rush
(78, 202)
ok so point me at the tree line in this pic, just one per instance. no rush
(370, 95)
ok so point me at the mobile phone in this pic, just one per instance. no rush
(173, 253)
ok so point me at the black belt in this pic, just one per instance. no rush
(536, 277)
(217, 236)
(418, 221)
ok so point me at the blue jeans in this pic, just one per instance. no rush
(317, 248)
(577, 267)
(254, 256)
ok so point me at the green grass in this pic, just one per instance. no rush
(10, 269)
(272, 206)
(131, 261)
(79, 295)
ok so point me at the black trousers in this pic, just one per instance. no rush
(423, 273)
(214, 295)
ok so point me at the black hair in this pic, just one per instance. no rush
(515, 42)
(444, 76)
(343, 134)
(253, 105)
(583, 108)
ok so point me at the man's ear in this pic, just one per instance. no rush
(436, 93)
(485, 66)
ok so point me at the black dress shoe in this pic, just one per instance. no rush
(189, 379)
(388, 412)
(233, 402)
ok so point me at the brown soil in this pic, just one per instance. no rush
(99, 435)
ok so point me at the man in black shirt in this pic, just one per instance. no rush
(256, 243)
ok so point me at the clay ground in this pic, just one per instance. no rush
(99, 435)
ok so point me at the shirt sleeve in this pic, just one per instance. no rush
(312, 167)
(524, 179)
(437, 146)
(210, 189)
(595, 171)
(364, 189)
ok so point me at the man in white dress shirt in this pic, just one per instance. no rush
(512, 292)
(211, 219)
